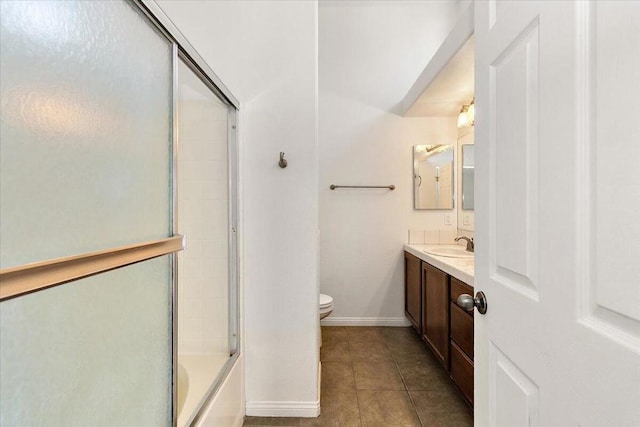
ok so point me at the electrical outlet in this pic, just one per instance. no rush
(447, 219)
(466, 219)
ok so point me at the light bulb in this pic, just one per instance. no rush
(471, 113)
(463, 117)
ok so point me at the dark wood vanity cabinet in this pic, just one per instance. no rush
(447, 329)
(461, 343)
(435, 313)
(413, 290)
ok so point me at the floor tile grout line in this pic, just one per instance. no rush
(395, 362)
(390, 342)
(413, 405)
(355, 386)
(406, 389)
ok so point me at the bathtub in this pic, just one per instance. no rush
(196, 374)
(183, 387)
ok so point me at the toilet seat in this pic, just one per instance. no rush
(326, 305)
(325, 301)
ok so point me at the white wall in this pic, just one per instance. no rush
(370, 53)
(266, 54)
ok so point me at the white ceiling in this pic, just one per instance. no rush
(450, 89)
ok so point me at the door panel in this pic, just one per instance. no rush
(514, 118)
(513, 395)
(557, 203)
(611, 150)
(508, 79)
(85, 165)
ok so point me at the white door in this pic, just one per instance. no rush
(558, 213)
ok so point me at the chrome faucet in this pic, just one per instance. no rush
(470, 244)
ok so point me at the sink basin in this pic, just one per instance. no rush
(451, 251)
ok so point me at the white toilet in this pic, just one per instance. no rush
(326, 305)
(326, 308)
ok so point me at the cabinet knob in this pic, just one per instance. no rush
(467, 302)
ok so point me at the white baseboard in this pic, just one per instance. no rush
(319, 383)
(365, 321)
(283, 409)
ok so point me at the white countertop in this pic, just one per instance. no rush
(460, 268)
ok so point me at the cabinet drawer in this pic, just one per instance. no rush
(462, 371)
(462, 329)
(458, 288)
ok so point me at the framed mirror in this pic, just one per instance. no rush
(467, 177)
(433, 172)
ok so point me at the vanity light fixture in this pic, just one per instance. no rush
(432, 149)
(467, 115)
(463, 117)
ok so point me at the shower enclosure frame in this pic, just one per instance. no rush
(183, 50)
(232, 162)
(37, 276)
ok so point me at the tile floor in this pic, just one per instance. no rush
(386, 377)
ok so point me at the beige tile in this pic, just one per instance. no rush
(447, 236)
(400, 335)
(331, 334)
(271, 421)
(441, 400)
(424, 376)
(432, 237)
(338, 408)
(441, 408)
(416, 237)
(335, 351)
(374, 351)
(386, 408)
(338, 375)
(377, 376)
(365, 334)
(410, 351)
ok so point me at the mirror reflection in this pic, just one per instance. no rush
(467, 177)
(433, 176)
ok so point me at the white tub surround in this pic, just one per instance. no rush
(460, 268)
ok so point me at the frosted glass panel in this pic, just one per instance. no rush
(203, 206)
(85, 129)
(94, 352)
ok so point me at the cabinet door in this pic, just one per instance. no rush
(435, 317)
(412, 290)
(462, 371)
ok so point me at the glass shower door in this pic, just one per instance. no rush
(204, 217)
(85, 177)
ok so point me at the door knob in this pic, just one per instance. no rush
(467, 302)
